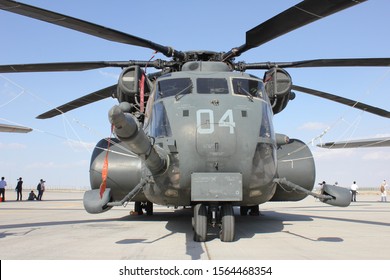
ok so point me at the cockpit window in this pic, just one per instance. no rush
(212, 85)
(248, 87)
(174, 87)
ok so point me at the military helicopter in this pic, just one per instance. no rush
(199, 131)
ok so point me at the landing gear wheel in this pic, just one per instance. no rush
(200, 223)
(243, 210)
(227, 223)
(138, 208)
(149, 208)
(254, 210)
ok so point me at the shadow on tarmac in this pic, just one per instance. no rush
(179, 221)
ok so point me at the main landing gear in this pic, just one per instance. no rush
(139, 206)
(217, 216)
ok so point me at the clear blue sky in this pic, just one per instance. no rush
(59, 149)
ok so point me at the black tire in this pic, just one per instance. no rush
(254, 210)
(228, 223)
(200, 223)
(138, 207)
(149, 208)
(243, 210)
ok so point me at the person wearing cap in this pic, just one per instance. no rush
(41, 189)
(354, 191)
(19, 188)
(3, 184)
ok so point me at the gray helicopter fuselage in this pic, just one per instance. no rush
(216, 127)
(206, 138)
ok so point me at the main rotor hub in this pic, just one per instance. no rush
(206, 66)
(203, 56)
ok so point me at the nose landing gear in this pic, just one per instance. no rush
(227, 223)
(200, 223)
(215, 216)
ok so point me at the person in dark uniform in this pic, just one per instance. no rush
(19, 188)
(32, 196)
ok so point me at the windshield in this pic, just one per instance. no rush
(212, 85)
(248, 86)
(173, 87)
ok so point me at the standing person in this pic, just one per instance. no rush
(354, 188)
(19, 188)
(41, 189)
(3, 184)
(383, 190)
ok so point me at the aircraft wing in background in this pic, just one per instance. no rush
(359, 143)
(14, 128)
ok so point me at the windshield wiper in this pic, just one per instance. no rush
(241, 89)
(183, 92)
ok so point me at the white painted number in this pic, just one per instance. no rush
(227, 121)
(210, 121)
(207, 127)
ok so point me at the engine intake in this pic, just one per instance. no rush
(130, 83)
(278, 85)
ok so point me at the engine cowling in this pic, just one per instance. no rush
(124, 171)
(296, 164)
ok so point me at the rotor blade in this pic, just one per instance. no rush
(342, 62)
(87, 99)
(339, 62)
(293, 18)
(359, 143)
(60, 66)
(81, 66)
(85, 27)
(345, 101)
(14, 128)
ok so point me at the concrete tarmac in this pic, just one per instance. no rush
(58, 228)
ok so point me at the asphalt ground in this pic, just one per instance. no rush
(58, 228)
